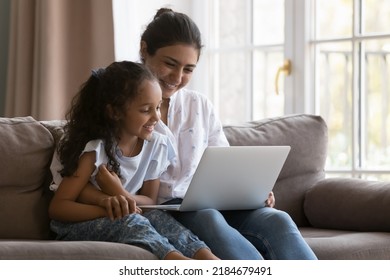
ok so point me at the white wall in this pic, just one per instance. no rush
(130, 19)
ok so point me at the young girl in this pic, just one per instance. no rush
(110, 127)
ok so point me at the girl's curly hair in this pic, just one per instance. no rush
(89, 119)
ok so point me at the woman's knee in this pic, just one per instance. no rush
(271, 217)
(208, 220)
(210, 216)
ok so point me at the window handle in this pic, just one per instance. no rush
(286, 69)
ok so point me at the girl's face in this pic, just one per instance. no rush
(143, 112)
(173, 66)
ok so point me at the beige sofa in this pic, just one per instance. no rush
(339, 218)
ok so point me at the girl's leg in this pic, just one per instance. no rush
(133, 229)
(272, 232)
(224, 241)
(181, 238)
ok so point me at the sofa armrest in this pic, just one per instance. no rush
(349, 204)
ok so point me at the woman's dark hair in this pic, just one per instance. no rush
(170, 28)
(89, 117)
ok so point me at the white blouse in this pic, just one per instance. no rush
(192, 126)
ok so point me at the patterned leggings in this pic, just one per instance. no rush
(155, 231)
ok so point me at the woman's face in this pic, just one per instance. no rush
(173, 66)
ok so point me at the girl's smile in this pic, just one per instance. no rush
(142, 113)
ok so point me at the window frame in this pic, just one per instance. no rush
(355, 170)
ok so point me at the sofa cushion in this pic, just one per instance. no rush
(56, 128)
(349, 204)
(70, 250)
(26, 149)
(307, 136)
(330, 244)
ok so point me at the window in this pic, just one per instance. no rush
(351, 50)
(340, 56)
(244, 48)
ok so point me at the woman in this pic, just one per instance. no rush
(171, 47)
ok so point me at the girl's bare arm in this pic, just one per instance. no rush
(64, 205)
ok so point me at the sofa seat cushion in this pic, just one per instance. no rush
(347, 245)
(349, 204)
(70, 250)
(307, 136)
(26, 148)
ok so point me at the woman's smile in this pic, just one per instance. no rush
(168, 86)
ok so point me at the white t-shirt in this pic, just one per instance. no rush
(153, 160)
(192, 126)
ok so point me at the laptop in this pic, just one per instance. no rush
(232, 178)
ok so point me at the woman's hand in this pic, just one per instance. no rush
(270, 202)
(118, 206)
(119, 203)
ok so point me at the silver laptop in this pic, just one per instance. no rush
(232, 178)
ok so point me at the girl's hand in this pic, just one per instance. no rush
(108, 181)
(118, 206)
(270, 202)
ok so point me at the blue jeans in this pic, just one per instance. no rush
(265, 233)
(158, 233)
